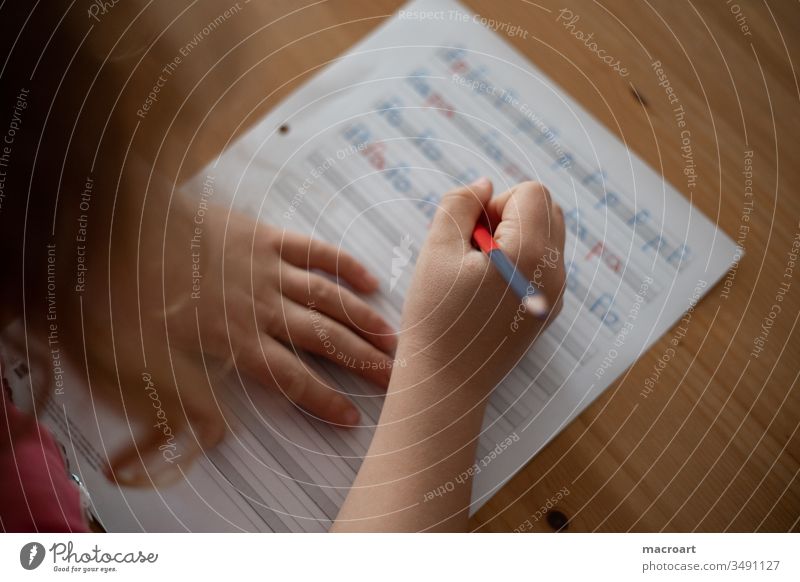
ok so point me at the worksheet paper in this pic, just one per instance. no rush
(359, 157)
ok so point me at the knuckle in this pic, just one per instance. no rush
(294, 384)
(323, 250)
(267, 238)
(270, 320)
(322, 291)
(359, 313)
(534, 188)
(371, 319)
(263, 277)
(457, 197)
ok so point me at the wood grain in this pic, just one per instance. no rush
(715, 447)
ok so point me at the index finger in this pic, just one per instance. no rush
(303, 251)
(526, 214)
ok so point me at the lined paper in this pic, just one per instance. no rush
(372, 143)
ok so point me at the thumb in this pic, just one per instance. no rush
(459, 210)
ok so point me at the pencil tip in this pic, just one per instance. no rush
(535, 304)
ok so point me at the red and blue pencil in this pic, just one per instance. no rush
(531, 297)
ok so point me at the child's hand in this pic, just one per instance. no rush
(262, 303)
(462, 323)
(249, 296)
(463, 331)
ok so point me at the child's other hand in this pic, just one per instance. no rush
(249, 296)
(262, 303)
(462, 323)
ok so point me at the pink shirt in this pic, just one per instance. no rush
(36, 493)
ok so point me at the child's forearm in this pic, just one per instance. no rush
(416, 475)
(466, 328)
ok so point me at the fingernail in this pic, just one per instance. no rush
(350, 416)
(127, 474)
(481, 183)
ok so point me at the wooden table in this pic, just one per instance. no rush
(715, 446)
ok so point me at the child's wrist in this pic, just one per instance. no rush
(427, 377)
